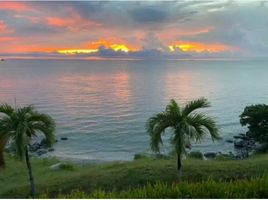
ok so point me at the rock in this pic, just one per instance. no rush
(229, 141)
(9, 149)
(34, 147)
(51, 149)
(237, 137)
(64, 138)
(210, 154)
(41, 152)
(239, 144)
(43, 142)
(56, 167)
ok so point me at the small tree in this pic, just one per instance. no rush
(186, 125)
(20, 125)
(255, 117)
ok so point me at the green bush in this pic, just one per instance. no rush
(255, 117)
(66, 166)
(138, 156)
(196, 155)
(254, 188)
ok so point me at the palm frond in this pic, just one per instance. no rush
(46, 130)
(173, 107)
(194, 105)
(156, 126)
(43, 123)
(201, 123)
(6, 109)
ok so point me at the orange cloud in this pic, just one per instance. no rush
(4, 29)
(6, 39)
(169, 34)
(3, 26)
(199, 47)
(13, 6)
(56, 21)
(73, 23)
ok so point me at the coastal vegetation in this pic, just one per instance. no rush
(256, 188)
(255, 117)
(186, 124)
(19, 125)
(224, 176)
(124, 176)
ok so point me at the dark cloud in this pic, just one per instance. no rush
(148, 15)
(151, 25)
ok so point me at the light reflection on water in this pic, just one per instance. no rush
(102, 106)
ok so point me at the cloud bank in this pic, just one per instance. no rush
(134, 30)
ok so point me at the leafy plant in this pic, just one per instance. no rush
(255, 117)
(20, 125)
(186, 125)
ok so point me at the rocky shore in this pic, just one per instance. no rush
(37, 148)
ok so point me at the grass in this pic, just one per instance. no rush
(121, 176)
(254, 188)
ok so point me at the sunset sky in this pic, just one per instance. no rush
(134, 29)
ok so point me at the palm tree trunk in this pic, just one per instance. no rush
(3, 141)
(2, 161)
(31, 178)
(179, 166)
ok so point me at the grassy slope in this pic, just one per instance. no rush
(14, 180)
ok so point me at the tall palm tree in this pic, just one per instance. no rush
(186, 125)
(20, 125)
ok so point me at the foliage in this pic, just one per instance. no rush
(253, 188)
(196, 155)
(66, 166)
(255, 117)
(21, 124)
(138, 156)
(186, 125)
(122, 176)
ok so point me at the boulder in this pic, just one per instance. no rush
(51, 149)
(40, 152)
(239, 143)
(9, 150)
(34, 147)
(43, 142)
(229, 141)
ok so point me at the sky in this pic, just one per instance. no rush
(134, 29)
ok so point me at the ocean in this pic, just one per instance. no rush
(102, 106)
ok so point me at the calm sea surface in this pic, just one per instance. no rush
(102, 106)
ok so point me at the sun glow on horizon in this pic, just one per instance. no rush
(95, 47)
(77, 51)
(199, 47)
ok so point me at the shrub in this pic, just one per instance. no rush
(138, 156)
(65, 166)
(255, 117)
(196, 155)
(254, 188)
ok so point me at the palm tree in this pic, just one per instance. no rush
(186, 125)
(20, 125)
